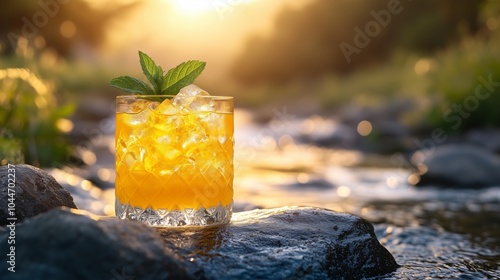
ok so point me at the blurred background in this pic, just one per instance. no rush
(364, 75)
(336, 101)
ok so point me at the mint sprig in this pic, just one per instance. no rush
(169, 84)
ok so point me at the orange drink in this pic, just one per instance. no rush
(174, 159)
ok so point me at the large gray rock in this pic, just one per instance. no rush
(35, 192)
(284, 243)
(459, 166)
(63, 245)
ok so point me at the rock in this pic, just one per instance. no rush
(488, 138)
(63, 245)
(35, 192)
(459, 165)
(284, 243)
(240, 206)
(326, 132)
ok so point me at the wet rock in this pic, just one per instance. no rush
(240, 206)
(326, 132)
(459, 165)
(63, 245)
(35, 192)
(486, 138)
(284, 243)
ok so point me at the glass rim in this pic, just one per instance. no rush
(170, 96)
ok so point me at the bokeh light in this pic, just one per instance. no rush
(68, 29)
(364, 128)
(64, 125)
(343, 191)
(422, 66)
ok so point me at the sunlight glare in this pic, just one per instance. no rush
(192, 6)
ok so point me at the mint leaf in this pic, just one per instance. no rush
(131, 85)
(182, 75)
(153, 72)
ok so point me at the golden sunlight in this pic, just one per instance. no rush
(215, 31)
(192, 6)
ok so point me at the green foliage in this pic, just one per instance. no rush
(305, 43)
(490, 9)
(460, 89)
(35, 85)
(466, 98)
(370, 87)
(30, 115)
(10, 149)
(68, 78)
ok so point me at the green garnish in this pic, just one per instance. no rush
(169, 84)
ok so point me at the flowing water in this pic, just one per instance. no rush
(433, 233)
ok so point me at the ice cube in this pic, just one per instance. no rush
(192, 90)
(138, 106)
(166, 108)
(192, 133)
(139, 119)
(133, 156)
(187, 98)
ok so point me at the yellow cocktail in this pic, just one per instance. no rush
(174, 159)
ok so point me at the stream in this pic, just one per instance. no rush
(432, 233)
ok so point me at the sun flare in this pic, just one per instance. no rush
(192, 6)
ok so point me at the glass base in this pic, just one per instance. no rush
(165, 218)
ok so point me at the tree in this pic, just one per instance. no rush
(61, 23)
(321, 37)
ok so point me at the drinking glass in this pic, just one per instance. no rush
(174, 159)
